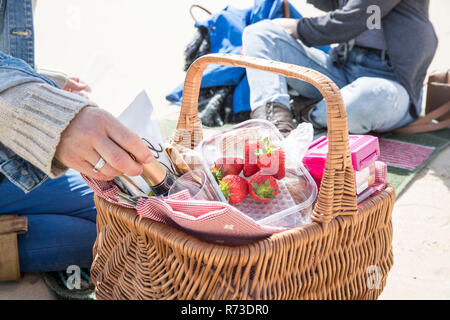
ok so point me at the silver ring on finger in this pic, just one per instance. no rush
(99, 165)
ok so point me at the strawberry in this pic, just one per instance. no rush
(271, 159)
(229, 165)
(263, 188)
(234, 188)
(217, 173)
(250, 159)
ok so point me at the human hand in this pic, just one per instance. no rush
(95, 133)
(74, 85)
(289, 24)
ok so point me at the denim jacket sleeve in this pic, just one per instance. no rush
(33, 114)
(14, 72)
(17, 39)
(33, 110)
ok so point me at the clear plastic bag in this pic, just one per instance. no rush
(292, 206)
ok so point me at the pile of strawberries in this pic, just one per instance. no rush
(263, 164)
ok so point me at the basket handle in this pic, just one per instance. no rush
(286, 12)
(337, 195)
(200, 7)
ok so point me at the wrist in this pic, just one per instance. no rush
(33, 117)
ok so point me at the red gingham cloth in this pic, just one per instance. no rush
(380, 176)
(212, 221)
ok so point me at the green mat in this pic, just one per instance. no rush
(401, 178)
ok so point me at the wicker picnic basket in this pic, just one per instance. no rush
(346, 253)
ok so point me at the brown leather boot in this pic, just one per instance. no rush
(277, 114)
(301, 108)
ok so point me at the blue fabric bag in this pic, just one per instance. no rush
(225, 35)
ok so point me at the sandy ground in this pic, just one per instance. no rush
(122, 47)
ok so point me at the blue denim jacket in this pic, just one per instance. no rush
(16, 67)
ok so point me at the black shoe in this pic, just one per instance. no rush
(301, 108)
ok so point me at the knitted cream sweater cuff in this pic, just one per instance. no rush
(32, 118)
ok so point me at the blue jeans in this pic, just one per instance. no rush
(61, 222)
(374, 100)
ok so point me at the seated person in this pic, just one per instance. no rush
(379, 66)
(44, 131)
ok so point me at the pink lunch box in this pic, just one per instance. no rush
(364, 150)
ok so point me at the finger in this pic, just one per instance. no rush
(87, 169)
(87, 88)
(115, 156)
(81, 82)
(107, 169)
(129, 141)
(71, 85)
(78, 86)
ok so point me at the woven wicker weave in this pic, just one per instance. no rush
(346, 253)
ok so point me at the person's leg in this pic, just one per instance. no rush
(61, 222)
(269, 41)
(54, 242)
(372, 104)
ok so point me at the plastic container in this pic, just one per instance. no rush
(292, 206)
(197, 184)
(364, 150)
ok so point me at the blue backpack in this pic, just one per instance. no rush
(223, 34)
